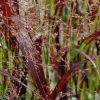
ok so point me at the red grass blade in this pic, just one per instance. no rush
(64, 80)
(93, 36)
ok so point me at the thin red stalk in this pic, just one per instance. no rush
(59, 7)
(6, 14)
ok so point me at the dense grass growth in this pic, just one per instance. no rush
(49, 50)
